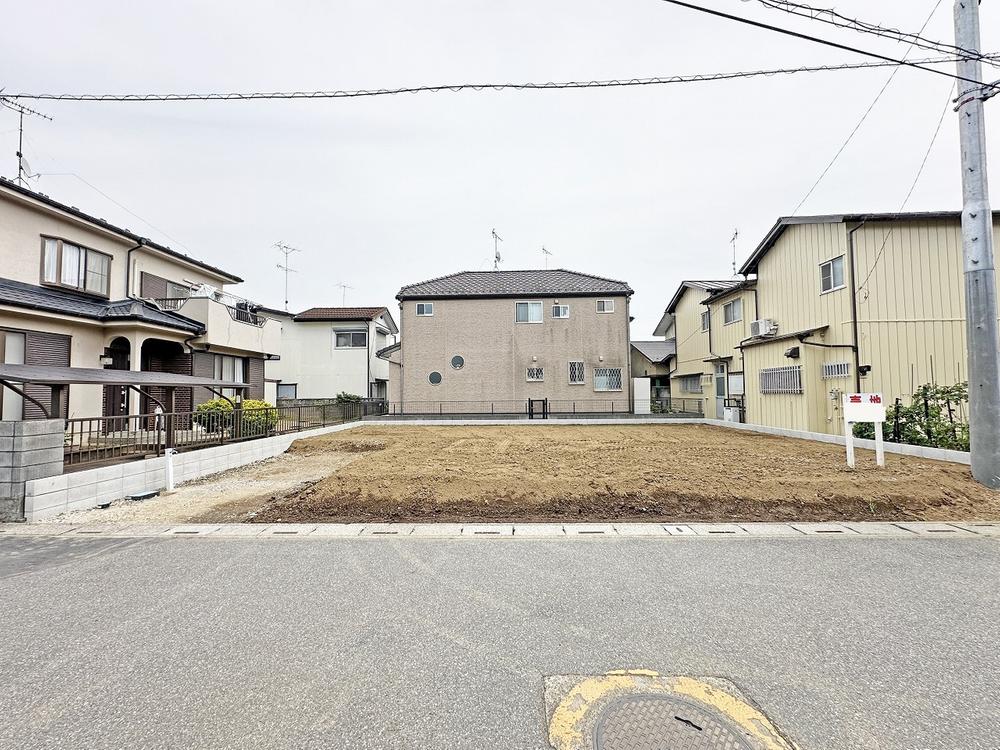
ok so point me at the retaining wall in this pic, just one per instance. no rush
(28, 450)
(89, 488)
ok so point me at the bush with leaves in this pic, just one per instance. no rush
(347, 398)
(258, 417)
(935, 417)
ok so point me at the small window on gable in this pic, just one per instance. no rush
(352, 339)
(831, 274)
(706, 320)
(425, 309)
(605, 305)
(732, 312)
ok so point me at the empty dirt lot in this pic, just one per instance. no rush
(599, 472)
(567, 473)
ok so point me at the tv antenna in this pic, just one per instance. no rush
(496, 250)
(286, 250)
(547, 254)
(23, 168)
(732, 241)
(343, 292)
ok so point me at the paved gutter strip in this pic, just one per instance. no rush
(901, 530)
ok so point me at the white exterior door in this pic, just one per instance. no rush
(720, 390)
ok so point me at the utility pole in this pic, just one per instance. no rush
(287, 251)
(977, 244)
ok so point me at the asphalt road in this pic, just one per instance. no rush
(421, 643)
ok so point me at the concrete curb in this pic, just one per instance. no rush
(847, 530)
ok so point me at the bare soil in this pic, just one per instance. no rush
(614, 473)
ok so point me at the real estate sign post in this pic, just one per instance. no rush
(864, 407)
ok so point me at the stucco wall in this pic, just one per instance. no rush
(498, 351)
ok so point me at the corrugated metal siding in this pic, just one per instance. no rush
(42, 348)
(152, 286)
(255, 377)
(692, 348)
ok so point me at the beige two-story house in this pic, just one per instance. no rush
(78, 291)
(482, 341)
(853, 302)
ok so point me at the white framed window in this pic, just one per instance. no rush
(351, 339)
(607, 378)
(706, 320)
(605, 305)
(69, 265)
(425, 309)
(560, 311)
(535, 374)
(732, 312)
(831, 275)
(577, 373)
(691, 383)
(786, 379)
(528, 312)
(288, 390)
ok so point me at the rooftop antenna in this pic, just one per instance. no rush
(287, 251)
(496, 250)
(343, 292)
(546, 253)
(732, 241)
(23, 168)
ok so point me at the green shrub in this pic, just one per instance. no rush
(347, 398)
(936, 416)
(259, 417)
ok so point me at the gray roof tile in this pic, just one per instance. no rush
(554, 283)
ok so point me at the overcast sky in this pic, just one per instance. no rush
(644, 185)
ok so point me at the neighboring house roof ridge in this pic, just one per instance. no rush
(656, 351)
(66, 302)
(783, 222)
(340, 313)
(74, 211)
(705, 285)
(550, 282)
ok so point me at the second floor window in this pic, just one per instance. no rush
(352, 339)
(68, 265)
(732, 312)
(425, 309)
(560, 311)
(605, 305)
(528, 312)
(706, 320)
(831, 274)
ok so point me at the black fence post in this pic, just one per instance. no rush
(927, 420)
(895, 423)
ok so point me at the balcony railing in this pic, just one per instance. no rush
(171, 303)
(249, 317)
(237, 313)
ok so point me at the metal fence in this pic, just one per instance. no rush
(94, 440)
(694, 407)
(506, 408)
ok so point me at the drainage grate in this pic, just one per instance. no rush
(655, 722)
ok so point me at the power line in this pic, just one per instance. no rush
(828, 43)
(457, 87)
(864, 116)
(834, 18)
(909, 194)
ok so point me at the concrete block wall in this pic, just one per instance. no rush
(28, 451)
(79, 490)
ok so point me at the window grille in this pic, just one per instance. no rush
(836, 370)
(607, 378)
(781, 379)
(576, 372)
(536, 374)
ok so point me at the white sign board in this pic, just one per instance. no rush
(863, 407)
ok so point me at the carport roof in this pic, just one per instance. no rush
(57, 376)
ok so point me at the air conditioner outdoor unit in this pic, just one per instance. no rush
(763, 327)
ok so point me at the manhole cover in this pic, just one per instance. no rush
(655, 722)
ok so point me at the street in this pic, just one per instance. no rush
(445, 643)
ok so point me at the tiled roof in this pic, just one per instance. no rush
(19, 294)
(128, 234)
(554, 283)
(656, 351)
(340, 313)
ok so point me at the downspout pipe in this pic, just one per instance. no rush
(855, 337)
(128, 266)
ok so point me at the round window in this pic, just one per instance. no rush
(458, 361)
(434, 378)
